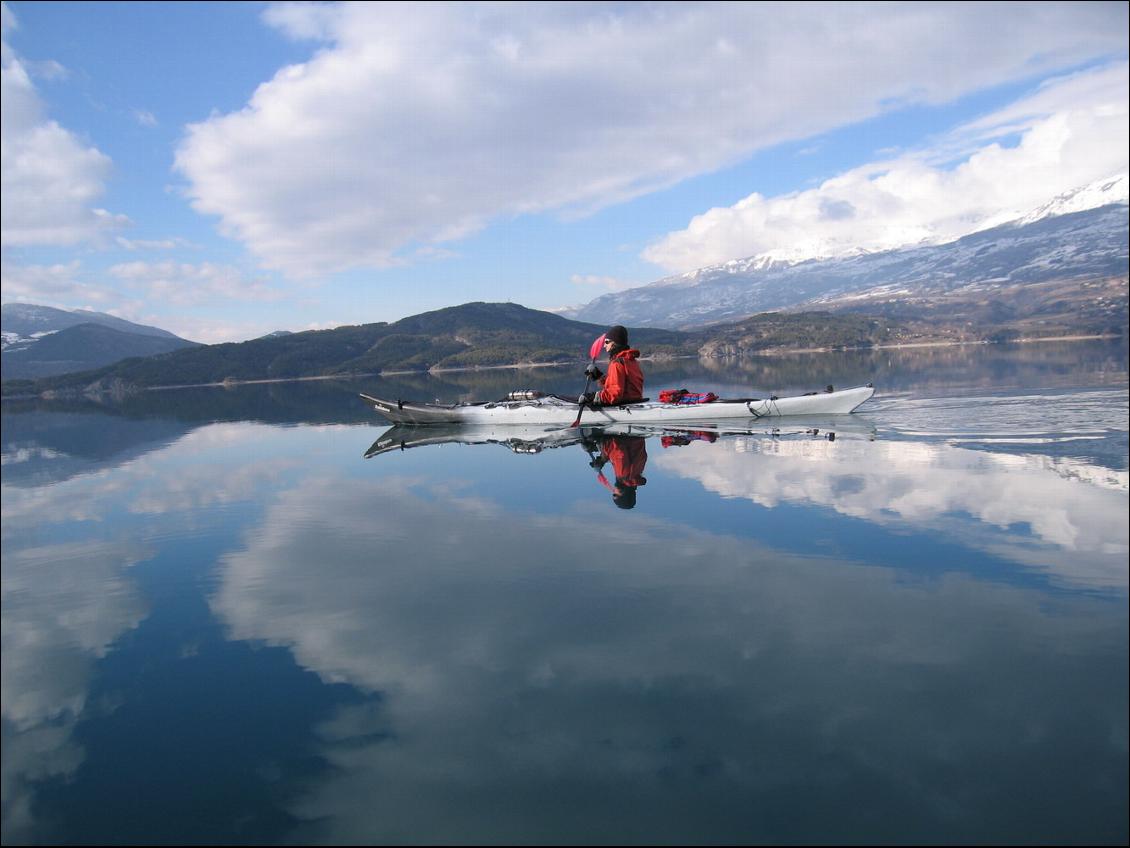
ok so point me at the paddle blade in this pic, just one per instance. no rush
(597, 347)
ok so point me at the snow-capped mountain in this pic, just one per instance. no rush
(1114, 189)
(1081, 235)
(25, 323)
(40, 341)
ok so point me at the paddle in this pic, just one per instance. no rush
(594, 352)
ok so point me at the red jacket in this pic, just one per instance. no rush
(624, 380)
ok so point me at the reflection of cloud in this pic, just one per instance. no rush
(528, 671)
(156, 483)
(86, 500)
(926, 486)
(60, 599)
(197, 487)
(64, 605)
(32, 755)
(225, 470)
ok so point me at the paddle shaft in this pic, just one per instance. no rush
(581, 405)
(594, 352)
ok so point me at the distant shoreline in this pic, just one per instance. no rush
(531, 365)
(523, 365)
(526, 365)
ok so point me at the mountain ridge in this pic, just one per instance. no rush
(26, 320)
(82, 347)
(42, 341)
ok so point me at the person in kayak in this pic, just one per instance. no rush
(628, 455)
(624, 381)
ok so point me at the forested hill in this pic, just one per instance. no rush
(471, 335)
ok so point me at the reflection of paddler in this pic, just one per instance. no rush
(628, 456)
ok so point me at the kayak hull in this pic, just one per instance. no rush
(558, 411)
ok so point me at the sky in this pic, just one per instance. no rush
(226, 170)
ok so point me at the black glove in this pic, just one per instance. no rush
(587, 398)
(597, 462)
(593, 373)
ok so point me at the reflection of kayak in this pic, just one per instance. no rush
(518, 439)
(536, 408)
(535, 439)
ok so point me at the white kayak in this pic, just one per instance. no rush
(536, 408)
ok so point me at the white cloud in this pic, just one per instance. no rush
(187, 284)
(216, 330)
(420, 123)
(1073, 131)
(48, 69)
(156, 293)
(177, 283)
(50, 178)
(168, 289)
(302, 21)
(150, 244)
(59, 285)
(609, 283)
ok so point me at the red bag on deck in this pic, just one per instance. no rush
(683, 396)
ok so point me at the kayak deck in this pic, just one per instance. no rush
(538, 408)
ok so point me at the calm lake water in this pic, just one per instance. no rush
(222, 623)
